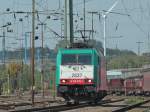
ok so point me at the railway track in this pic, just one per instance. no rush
(127, 108)
(9, 105)
(63, 107)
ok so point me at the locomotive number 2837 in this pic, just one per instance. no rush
(77, 75)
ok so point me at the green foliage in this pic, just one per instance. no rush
(118, 52)
(14, 68)
(37, 79)
(25, 78)
(127, 61)
(19, 53)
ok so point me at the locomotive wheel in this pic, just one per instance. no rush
(96, 101)
(90, 102)
(68, 103)
(76, 102)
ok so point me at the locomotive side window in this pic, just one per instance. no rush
(98, 60)
(85, 59)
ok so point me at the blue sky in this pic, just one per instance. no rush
(132, 29)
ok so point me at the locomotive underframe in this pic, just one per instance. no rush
(77, 93)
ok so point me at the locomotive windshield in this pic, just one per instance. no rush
(84, 59)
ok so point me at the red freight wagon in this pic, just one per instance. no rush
(138, 86)
(139, 83)
(129, 85)
(146, 82)
(116, 85)
(133, 86)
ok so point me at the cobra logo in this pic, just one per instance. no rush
(76, 68)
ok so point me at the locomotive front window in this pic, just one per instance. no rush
(68, 59)
(84, 59)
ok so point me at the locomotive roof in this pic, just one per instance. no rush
(79, 50)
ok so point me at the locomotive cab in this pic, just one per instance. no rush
(76, 69)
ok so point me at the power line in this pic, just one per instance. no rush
(132, 20)
(80, 3)
(42, 2)
(141, 10)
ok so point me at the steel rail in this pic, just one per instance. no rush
(7, 105)
(63, 107)
(126, 108)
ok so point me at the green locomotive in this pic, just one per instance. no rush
(81, 75)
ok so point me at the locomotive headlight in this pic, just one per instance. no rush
(89, 81)
(63, 81)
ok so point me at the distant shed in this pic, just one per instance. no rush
(124, 73)
(114, 74)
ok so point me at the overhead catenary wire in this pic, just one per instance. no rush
(44, 6)
(141, 11)
(132, 20)
(45, 11)
(80, 3)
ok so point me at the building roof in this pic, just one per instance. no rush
(114, 72)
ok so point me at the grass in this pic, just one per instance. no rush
(134, 100)
(148, 110)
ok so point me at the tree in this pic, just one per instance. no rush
(13, 72)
